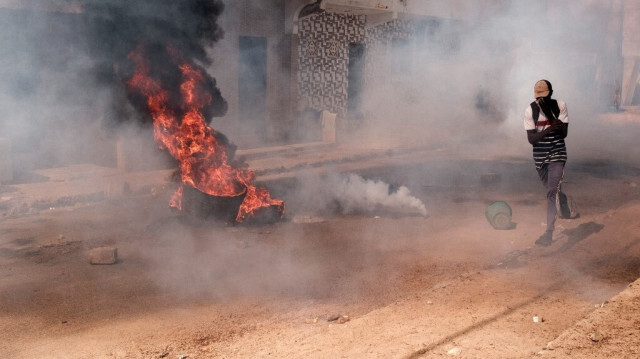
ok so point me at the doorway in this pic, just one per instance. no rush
(252, 88)
(355, 80)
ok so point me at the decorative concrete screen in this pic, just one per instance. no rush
(378, 41)
(324, 58)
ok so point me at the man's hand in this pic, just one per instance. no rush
(558, 128)
(555, 125)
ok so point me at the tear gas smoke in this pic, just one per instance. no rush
(353, 194)
(63, 71)
(472, 73)
(466, 82)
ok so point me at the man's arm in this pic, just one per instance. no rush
(556, 125)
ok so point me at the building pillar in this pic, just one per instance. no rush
(630, 50)
(630, 74)
(328, 126)
(294, 89)
(6, 165)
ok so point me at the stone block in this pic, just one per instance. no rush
(103, 255)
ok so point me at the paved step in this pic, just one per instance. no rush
(82, 183)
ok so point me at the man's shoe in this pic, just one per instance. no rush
(545, 239)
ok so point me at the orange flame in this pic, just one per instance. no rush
(188, 138)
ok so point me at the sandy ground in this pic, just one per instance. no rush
(379, 284)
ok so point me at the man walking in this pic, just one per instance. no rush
(546, 122)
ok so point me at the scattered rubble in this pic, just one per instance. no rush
(538, 319)
(339, 319)
(595, 336)
(103, 255)
(310, 321)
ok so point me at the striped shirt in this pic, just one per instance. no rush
(550, 148)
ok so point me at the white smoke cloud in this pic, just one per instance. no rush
(467, 82)
(352, 194)
(356, 194)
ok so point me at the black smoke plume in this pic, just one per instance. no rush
(160, 29)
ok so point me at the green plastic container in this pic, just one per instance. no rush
(499, 215)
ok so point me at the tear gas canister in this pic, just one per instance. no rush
(499, 215)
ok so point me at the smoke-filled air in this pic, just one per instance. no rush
(77, 80)
(319, 178)
(65, 74)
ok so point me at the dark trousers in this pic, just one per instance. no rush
(551, 175)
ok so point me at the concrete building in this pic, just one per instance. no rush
(311, 56)
(303, 70)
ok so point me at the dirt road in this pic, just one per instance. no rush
(378, 284)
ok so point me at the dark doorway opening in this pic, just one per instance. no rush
(355, 81)
(252, 88)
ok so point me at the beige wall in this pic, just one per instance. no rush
(266, 19)
(631, 28)
(630, 50)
